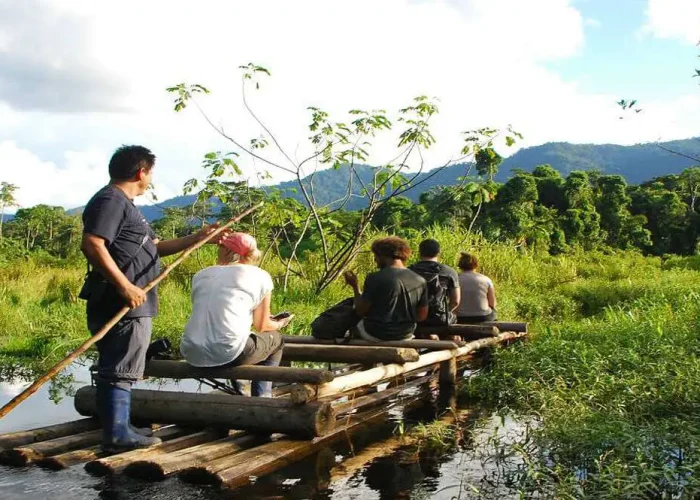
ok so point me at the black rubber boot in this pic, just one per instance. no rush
(114, 404)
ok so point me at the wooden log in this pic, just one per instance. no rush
(448, 372)
(181, 370)
(158, 467)
(15, 439)
(24, 455)
(234, 471)
(303, 392)
(467, 332)
(349, 354)
(431, 345)
(367, 401)
(235, 412)
(116, 463)
(67, 459)
(508, 326)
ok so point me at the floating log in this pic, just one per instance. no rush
(431, 345)
(507, 326)
(234, 412)
(24, 455)
(116, 463)
(367, 401)
(65, 460)
(236, 470)
(301, 393)
(181, 370)
(161, 466)
(467, 332)
(15, 439)
(349, 354)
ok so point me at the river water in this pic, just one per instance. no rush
(338, 473)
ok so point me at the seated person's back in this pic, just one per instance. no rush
(223, 300)
(228, 300)
(394, 294)
(478, 296)
(394, 299)
(442, 281)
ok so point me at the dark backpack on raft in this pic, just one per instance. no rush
(438, 295)
(335, 322)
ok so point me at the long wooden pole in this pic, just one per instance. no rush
(110, 324)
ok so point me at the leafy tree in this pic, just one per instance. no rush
(549, 186)
(7, 200)
(337, 144)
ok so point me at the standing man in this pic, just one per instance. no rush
(123, 252)
(443, 284)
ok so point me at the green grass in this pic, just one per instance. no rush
(616, 390)
(610, 377)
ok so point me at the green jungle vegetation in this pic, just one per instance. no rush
(606, 273)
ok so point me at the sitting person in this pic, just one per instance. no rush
(478, 302)
(443, 284)
(227, 299)
(394, 299)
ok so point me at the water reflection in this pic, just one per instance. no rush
(371, 464)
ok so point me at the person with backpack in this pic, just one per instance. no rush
(394, 299)
(442, 282)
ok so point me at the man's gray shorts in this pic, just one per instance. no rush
(123, 350)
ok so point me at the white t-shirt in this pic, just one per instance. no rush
(223, 300)
(474, 288)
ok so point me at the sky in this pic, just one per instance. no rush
(78, 78)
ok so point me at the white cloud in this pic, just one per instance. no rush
(592, 23)
(484, 59)
(40, 181)
(674, 19)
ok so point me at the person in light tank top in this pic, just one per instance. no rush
(478, 295)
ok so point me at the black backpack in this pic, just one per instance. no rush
(438, 295)
(336, 321)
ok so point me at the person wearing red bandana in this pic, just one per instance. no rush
(228, 301)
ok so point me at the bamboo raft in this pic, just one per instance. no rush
(220, 439)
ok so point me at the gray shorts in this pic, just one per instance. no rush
(122, 352)
(259, 347)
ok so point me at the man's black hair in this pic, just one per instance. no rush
(128, 160)
(429, 248)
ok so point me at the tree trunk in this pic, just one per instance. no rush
(180, 370)
(349, 354)
(431, 345)
(235, 412)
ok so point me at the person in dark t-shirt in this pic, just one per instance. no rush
(443, 284)
(123, 252)
(394, 299)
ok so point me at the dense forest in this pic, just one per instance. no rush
(542, 208)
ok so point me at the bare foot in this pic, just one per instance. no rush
(433, 337)
(456, 338)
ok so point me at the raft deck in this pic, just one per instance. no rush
(216, 438)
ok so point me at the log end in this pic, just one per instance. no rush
(99, 468)
(200, 475)
(325, 420)
(18, 457)
(303, 393)
(51, 463)
(144, 469)
(406, 355)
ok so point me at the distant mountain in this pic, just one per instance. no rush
(638, 163)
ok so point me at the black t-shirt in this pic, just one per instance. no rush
(111, 215)
(394, 294)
